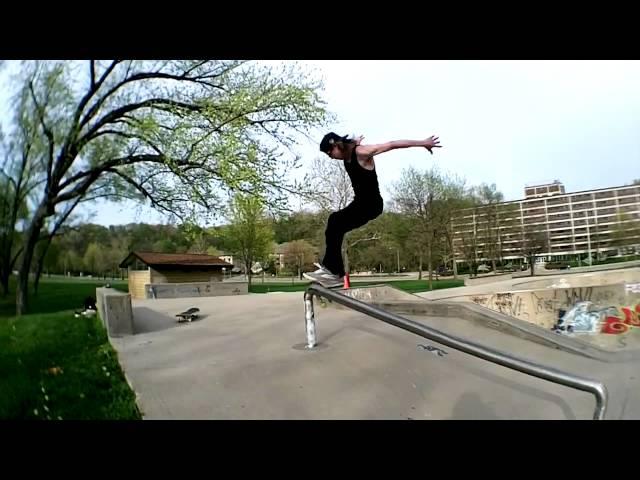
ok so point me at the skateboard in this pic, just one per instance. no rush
(188, 315)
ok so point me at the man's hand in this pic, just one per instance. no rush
(431, 143)
(359, 139)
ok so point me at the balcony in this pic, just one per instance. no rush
(563, 209)
(533, 204)
(630, 208)
(580, 198)
(605, 194)
(530, 212)
(605, 203)
(608, 220)
(559, 216)
(628, 191)
(535, 220)
(559, 226)
(582, 206)
(559, 200)
(606, 211)
(628, 200)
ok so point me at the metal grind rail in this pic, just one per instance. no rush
(536, 370)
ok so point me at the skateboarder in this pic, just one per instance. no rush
(367, 203)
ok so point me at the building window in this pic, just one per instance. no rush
(580, 198)
(606, 194)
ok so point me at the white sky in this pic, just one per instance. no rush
(503, 122)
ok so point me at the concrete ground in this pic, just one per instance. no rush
(242, 360)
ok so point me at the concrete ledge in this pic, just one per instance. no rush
(196, 289)
(595, 268)
(490, 278)
(115, 311)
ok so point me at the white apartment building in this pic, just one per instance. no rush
(574, 223)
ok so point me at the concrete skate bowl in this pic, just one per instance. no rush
(605, 314)
(525, 314)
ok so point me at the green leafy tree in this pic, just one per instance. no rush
(249, 234)
(177, 134)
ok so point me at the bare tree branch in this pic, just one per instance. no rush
(149, 76)
(92, 68)
(375, 236)
(115, 162)
(47, 130)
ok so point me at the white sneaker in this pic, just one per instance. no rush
(324, 277)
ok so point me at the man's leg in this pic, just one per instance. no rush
(339, 223)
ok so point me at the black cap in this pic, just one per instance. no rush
(329, 139)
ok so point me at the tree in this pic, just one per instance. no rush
(364, 236)
(164, 245)
(47, 236)
(9, 213)
(488, 198)
(70, 261)
(298, 255)
(425, 198)
(52, 258)
(113, 256)
(534, 242)
(197, 237)
(93, 259)
(289, 226)
(469, 245)
(331, 184)
(178, 134)
(454, 198)
(249, 234)
(18, 179)
(398, 229)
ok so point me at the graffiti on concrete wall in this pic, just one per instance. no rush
(600, 309)
(567, 297)
(507, 303)
(632, 288)
(587, 317)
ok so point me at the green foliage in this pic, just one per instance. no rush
(179, 134)
(249, 235)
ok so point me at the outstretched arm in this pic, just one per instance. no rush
(372, 150)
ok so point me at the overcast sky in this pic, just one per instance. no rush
(503, 122)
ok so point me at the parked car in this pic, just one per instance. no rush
(557, 266)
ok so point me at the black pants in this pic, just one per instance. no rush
(356, 214)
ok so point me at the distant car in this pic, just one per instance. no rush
(557, 266)
(484, 268)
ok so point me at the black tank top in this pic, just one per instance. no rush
(363, 181)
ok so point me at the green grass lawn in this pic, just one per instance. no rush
(57, 294)
(53, 365)
(411, 286)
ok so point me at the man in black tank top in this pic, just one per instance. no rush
(367, 203)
